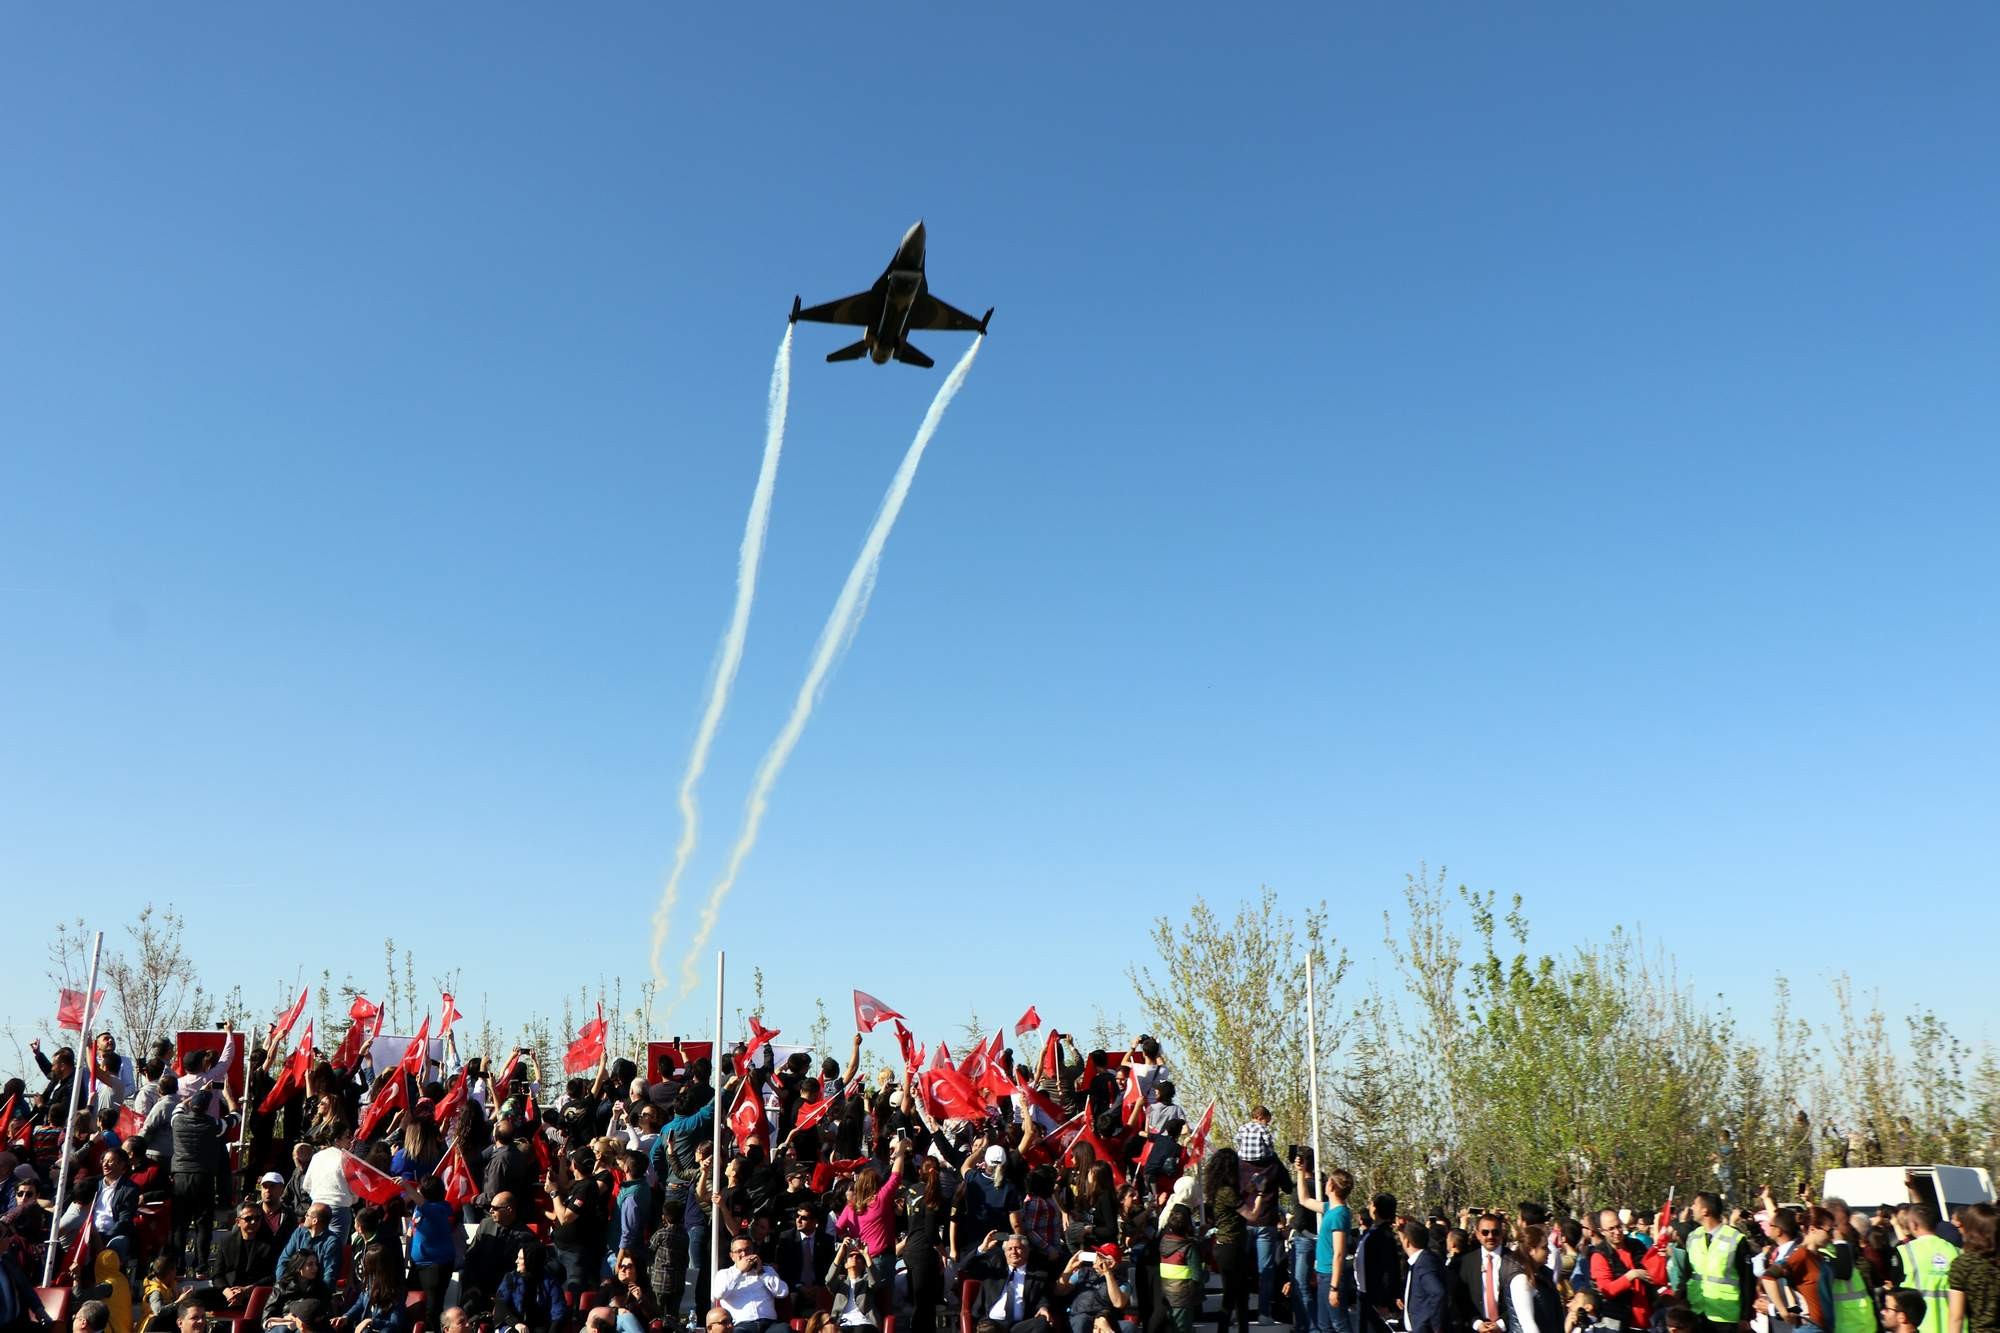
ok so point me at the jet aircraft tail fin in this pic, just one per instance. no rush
(911, 356)
(851, 352)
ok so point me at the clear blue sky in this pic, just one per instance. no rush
(1555, 444)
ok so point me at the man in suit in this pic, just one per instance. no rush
(1424, 1301)
(1477, 1287)
(805, 1253)
(1012, 1297)
(114, 1209)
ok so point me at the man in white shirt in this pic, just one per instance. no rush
(748, 1291)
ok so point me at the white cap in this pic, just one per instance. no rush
(270, 1178)
(995, 1155)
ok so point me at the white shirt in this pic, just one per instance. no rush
(1489, 1280)
(101, 1213)
(1522, 1293)
(325, 1182)
(1015, 1298)
(749, 1295)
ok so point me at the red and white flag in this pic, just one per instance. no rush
(129, 1123)
(446, 1110)
(69, 1008)
(588, 1048)
(746, 1117)
(868, 1011)
(362, 1009)
(348, 1053)
(811, 1113)
(394, 1096)
(941, 1058)
(283, 1027)
(1029, 1022)
(1133, 1113)
(1055, 1145)
(951, 1095)
(377, 1187)
(292, 1077)
(760, 1037)
(450, 1015)
(1198, 1145)
(459, 1186)
(418, 1050)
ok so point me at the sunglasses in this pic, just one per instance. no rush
(1487, 1233)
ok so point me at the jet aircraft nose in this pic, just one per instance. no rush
(914, 237)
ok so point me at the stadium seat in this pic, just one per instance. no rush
(56, 1301)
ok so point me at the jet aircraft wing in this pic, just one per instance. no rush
(931, 313)
(860, 308)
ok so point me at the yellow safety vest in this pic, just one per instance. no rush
(1853, 1303)
(1712, 1288)
(1927, 1270)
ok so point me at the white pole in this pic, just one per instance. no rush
(75, 1088)
(1312, 1068)
(715, 1153)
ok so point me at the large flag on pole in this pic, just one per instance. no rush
(292, 1076)
(418, 1050)
(1029, 1022)
(69, 1008)
(588, 1048)
(283, 1027)
(450, 1015)
(868, 1011)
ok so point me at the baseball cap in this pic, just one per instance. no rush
(270, 1178)
(1107, 1251)
(995, 1154)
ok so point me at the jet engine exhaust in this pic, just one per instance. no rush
(834, 638)
(729, 655)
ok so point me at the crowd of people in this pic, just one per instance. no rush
(1009, 1196)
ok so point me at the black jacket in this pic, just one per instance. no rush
(990, 1268)
(246, 1263)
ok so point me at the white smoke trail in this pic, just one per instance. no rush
(834, 637)
(730, 655)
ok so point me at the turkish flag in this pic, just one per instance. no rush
(810, 1114)
(1055, 1145)
(1046, 1113)
(459, 1186)
(588, 1048)
(868, 1011)
(69, 1008)
(129, 1123)
(1198, 1145)
(395, 1095)
(1133, 1113)
(973, 1065)
(283, 1027)
(1104, 1154)
(450, 1015)
(293, 1076)
(362, 1009)
(348, 1053)
(942, 1059)
(454, 1097)
(418, 1050)
(538, 1142)
(1028, 1022)
(7, 1113)
(995, 1084)
(760, 1037)
(1050, 1043)
(746, 1117)
(951, 1091)
(907, 1045)
(377, 1187)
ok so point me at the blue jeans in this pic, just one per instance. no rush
(1304, 1290)
(1329, 1320)
(698, 1260)
(1265, 1239)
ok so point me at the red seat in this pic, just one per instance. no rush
(968, 1302)
(588, 1301)
(56, 1301)
(252, 1315)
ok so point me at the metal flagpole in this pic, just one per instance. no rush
(715, 1152)
(1312, 1069)
(75, 1087)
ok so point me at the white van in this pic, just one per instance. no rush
(1867, 1188)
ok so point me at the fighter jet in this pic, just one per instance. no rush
(899, 301)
